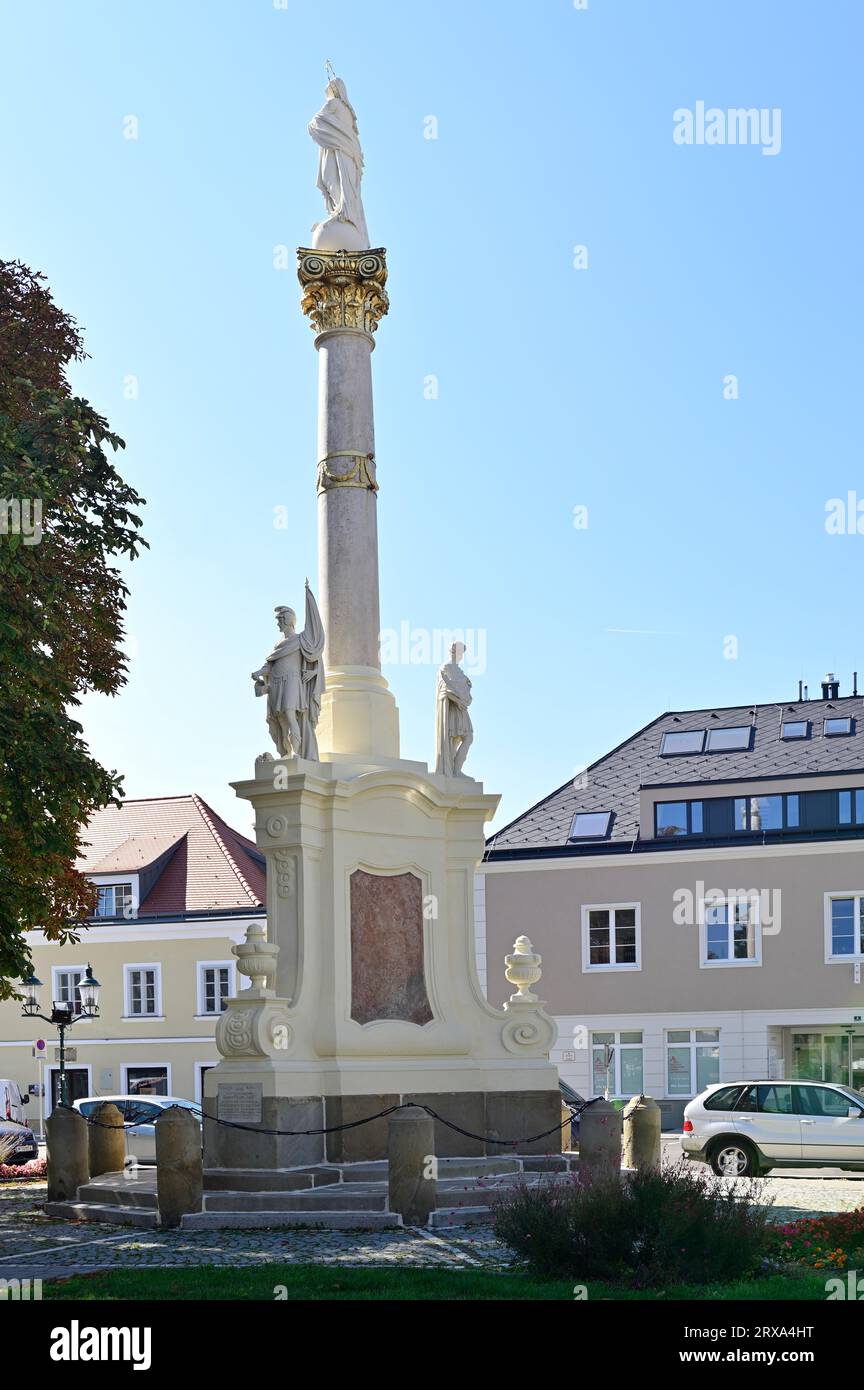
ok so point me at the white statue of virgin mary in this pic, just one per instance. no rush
(340, 169)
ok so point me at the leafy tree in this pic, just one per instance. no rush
(61, 615)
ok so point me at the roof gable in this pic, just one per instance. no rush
(207, 864)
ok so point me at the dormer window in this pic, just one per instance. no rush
(681, 742)
(673, 818)
(114, 899)
(850, 807)
(834, 728)
(735, 740)
(590, 825)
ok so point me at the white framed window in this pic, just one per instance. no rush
(114, 899)
(64, 985)
(844, 927)
(216, 984)
(142, 991)
(730, 932)
(611, 936)
(692, 1060)
(200, 1069)
(145, 1078)
(617, 1063)
(79, 1076)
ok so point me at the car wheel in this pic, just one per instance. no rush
(734, 1159)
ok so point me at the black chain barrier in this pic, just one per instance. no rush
(575, 1112)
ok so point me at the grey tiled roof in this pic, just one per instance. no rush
(614, 781)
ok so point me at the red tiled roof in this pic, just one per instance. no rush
(213, 866)
(134, 853)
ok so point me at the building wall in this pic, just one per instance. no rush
(753, 1044)
(755, 1008)
(545, 899)
(179, 1037)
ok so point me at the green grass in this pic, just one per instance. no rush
(326, 1283)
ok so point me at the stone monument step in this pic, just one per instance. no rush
(122, 1196)
(321, 1220)
(109, 1212)
(564, 1162)
(323, 1199)
(453, 1195)
(269, 1179)
(459, 1216)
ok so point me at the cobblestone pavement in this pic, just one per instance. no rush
(32, 1245)
(36, 1247)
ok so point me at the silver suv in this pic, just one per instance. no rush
(744, 1128)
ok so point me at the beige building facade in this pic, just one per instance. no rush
(177, 889)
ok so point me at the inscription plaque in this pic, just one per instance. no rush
(240, 1102)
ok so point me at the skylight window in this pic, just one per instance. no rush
(834, 727)
(590, 825)
(729, 740)
(683, 741)
(795, 728)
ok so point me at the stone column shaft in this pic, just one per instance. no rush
(344, 298)
(347, 516)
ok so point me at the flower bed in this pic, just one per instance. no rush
(26, 1172)
(823, 1242)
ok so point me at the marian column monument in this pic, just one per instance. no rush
(364, 993)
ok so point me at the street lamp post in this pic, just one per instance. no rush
(63, 1015)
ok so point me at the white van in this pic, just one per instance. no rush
(12, 1102)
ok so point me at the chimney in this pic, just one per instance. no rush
(830, 687)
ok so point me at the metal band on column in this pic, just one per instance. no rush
(361, 475)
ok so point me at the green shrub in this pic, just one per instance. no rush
(673, 1225)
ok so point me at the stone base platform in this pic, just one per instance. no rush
(498, 1115)
(351, 1196)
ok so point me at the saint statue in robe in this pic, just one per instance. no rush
(454, 732)
(292, 678)
(340, 169)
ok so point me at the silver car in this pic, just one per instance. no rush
(140, 1114)
(744, 1128)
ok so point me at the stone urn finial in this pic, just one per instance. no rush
(523, 970)
(256, 958)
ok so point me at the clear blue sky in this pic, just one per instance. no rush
(557, 387)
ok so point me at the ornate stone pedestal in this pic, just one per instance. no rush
(370, 901)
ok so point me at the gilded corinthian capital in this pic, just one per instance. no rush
(343, 289)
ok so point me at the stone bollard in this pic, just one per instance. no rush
(411, 1166)
(107, 1140)
(600, 1139)
(642, 1133)
(179, 1165)
(68, 1156)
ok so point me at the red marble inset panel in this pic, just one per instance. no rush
(387, 975)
